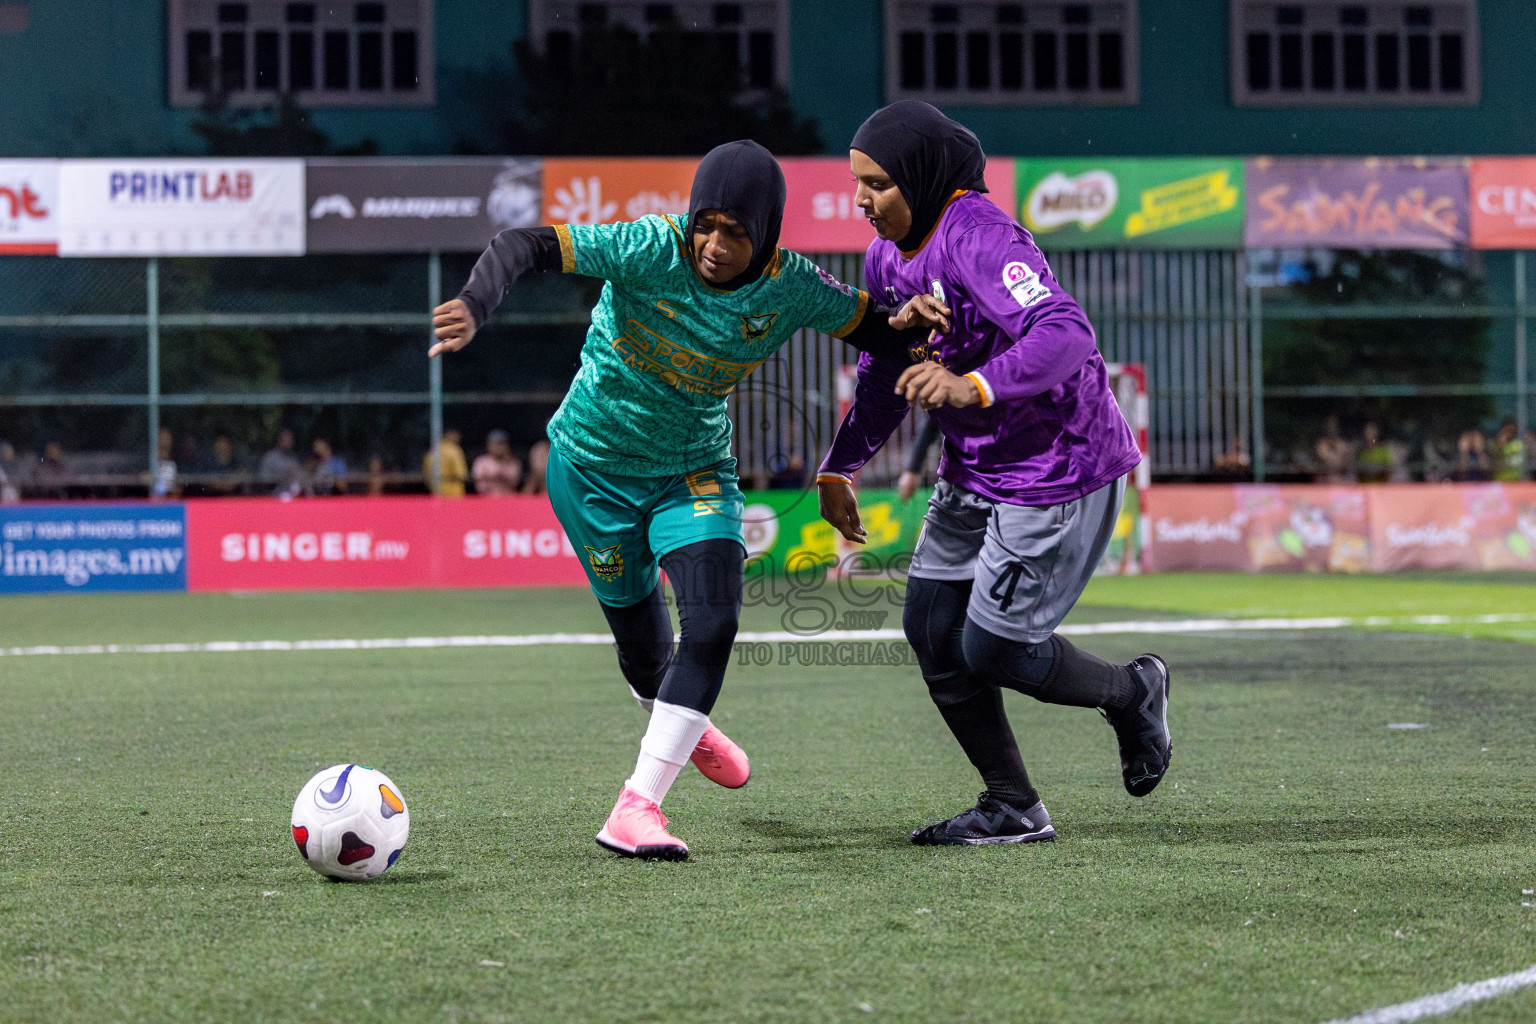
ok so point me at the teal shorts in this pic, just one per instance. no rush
(622, 526)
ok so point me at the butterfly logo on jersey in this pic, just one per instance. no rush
(756, 328)
(606, 562)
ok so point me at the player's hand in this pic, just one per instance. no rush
(921, 311)
(454, 327)
(906, 485)
(930, 386)
(840, 508)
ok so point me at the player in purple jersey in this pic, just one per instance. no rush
(1034, 458)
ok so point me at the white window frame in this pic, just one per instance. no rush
(1324, 17)
(183, 16)
(545, 16)
(1045, 17)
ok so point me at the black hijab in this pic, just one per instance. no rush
(927, 155)
(744, 180)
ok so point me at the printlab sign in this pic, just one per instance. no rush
(181, 208)
(419, 205)
(83, 548)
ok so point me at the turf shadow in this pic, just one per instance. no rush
(787, 837)
(1422, 833)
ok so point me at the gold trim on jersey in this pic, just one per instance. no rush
(856, 319)
(567, 249)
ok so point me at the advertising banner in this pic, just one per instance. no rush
(374, 543)
(1453, 526)
(598, 190)
(29, 205)
(820, 215)
(1503, 203)
(784, 532)
(181, 208)
(418, 205)
(1357, 204)
(1324, 528)
(90, 548)
(1132, 203)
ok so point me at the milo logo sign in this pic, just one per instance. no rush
(1059, 200)
(1155, 203)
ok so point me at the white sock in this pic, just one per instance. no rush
(646, 702)
(669, 740)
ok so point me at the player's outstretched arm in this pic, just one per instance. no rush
(513, 254)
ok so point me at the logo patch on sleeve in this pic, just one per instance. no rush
(1024, 284)
(832, 282)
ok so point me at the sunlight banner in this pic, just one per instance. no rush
(1353, 529)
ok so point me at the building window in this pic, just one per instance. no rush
(751, 35)
(1354, 53)
(1012, 53)
(325, 54)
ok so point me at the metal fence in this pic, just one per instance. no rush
(113, 349)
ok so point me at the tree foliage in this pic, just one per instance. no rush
(1411, 350)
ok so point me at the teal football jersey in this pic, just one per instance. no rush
(665, 347)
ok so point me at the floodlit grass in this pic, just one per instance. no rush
(1302, 861)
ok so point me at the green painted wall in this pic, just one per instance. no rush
(88, 79)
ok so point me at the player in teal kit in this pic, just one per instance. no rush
(640, 471)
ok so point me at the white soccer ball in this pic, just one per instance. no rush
(350, 822)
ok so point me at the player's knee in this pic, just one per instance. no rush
(1001, 661)
(932, 621)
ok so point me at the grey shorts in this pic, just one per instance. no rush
(1030, 564)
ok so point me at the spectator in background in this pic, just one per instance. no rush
(9, 494)
(1335, 455)
(166, 483)
(1373, 464)
(912, 476)
(449, 460)
(224, 465)
(50, 477)
(280, 468)
(376, 475)
(538, 460)
(1507, 453)
(1472, 457)
(1235, 463)
(188, 453)
(330, 474)
(497, 471)
(790, 474)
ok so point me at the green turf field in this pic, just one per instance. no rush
(1302, 862)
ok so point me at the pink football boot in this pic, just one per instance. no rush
(720, 760)
(637, 828)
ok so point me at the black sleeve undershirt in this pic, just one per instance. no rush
(875, 335)
(513, 254)
(917, 455)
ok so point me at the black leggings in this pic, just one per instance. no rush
(706, 579)
(960, 657)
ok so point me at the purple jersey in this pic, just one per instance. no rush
(1047, 430)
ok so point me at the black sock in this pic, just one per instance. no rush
(1085, 680)
(981, 726)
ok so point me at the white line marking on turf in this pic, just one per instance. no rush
(1445, 1002)
(1159, 626)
